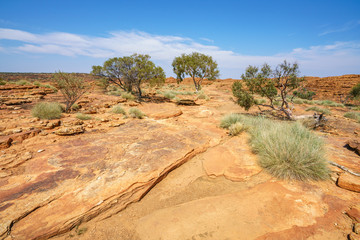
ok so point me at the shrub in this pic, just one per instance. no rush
(260, 101)
(37, 83)
(329, 103)
(127, 96)
(47, 110)
(353, 115)
(230, 119)
(22, 82)
(203, 96)
(82, 116)
(236, 129)
(118, 110)
(298, 101)
(2, 82)
(71, 86)
(304, 94)
(136, 113)
(355, 91)
(169, 94)
(288, 150)
(50, 86)
(319, 110)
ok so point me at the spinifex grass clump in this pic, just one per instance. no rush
(118, 110)
(136, 113)
(47, 110)
(286, 150)
(83, 116)
(230, 119)
(353, 115)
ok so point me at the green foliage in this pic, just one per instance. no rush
(71, 86)
(286, 150)
(196, 65)
(319, 110)
(83, 116)
(329, 103)
(127, 96)
(118, 110)
(37, 83)
(267, 83)
(298, 101)
(22, 82)
(355, 91)
(169, 94)
(243, 97)
(47, 110)
(2, 82)
(50, 86)
(103, 83)
(236, 128)
(353, 115)
(303, 93)
(129, 72)
(230, 119)
(136, 113)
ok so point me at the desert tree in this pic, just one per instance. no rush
(71, 86)
(129, 72)
(196, 65)
(268, 83)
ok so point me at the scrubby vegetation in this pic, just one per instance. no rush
(71, 86)
(303, 93)
(118, 110)
(83, 116)
(319, 110)
(130, 71)
(353, 115)
(136, 113)
(47, 110)
(236, 128)
(267, 83)
(230, 119)
(2, 82)
(286, 150)
(22, 82)
(127, 96)
(196, 65)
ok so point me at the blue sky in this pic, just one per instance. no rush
(72, 35)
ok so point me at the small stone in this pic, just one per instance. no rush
(349, 182)
(104, 120)
(40, 150)
(17, 130)
(65, 131)
(43, 133)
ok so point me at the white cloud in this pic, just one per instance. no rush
(334, 59)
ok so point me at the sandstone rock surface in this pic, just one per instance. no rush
(349, 182)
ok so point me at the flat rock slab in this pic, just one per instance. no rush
(349, 182)
(268, 207)
(233, 160)
(78, 179)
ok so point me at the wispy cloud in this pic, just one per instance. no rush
(207, 40)
(346, 27)
(334, 59)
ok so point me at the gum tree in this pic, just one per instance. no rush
(268, 83)
(130, 71)
(196, 65)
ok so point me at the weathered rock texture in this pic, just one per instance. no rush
(73, 181)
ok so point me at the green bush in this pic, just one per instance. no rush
(355, 91)
(22, 82)
(127, 96)
(136, 113)
(304, 94)
(37, 83)
(118, 110)
(83, 116)
(169, 94)
(287, 150)
(50, 86)
(2, 82)
(329, 103)
(260, 101)
(298, 101)
(236, 128)
(319, 110)
(47, 110)
(230, 119)
(353, 115)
